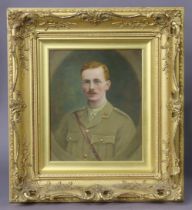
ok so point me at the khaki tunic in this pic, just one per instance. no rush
(111, 133)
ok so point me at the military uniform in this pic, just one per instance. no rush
(111, 132)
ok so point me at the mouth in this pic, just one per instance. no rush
(92, 93)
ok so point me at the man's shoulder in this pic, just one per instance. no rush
(72, 112)
(121, 114)
(122, 117)
(78, 111)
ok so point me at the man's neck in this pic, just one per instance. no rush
(97, 105)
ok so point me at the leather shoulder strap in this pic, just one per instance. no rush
(86, 136)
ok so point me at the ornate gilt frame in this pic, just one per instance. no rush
(32, 177)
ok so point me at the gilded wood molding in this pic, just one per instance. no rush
(24, 28)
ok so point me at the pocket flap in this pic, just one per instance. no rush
(103, 139)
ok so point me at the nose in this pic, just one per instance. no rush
(91, 86)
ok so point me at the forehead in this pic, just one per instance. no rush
(92, 73)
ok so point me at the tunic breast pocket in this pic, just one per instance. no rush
(73, 143)
(104, 145)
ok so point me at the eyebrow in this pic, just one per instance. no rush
(96, 79)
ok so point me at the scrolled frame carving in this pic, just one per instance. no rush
(24, 28)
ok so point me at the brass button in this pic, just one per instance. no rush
(101, 140)
(85, 156)
(87, 130)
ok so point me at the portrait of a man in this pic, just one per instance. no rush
(97, 131)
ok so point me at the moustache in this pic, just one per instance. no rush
(91, 92)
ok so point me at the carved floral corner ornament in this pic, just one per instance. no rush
(25, 26)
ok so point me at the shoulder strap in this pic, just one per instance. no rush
(86, 137)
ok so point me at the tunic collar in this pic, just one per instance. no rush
(102, 114)
(106, 111)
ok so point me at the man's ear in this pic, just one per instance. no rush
(108, 83)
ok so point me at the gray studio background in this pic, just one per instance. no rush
(4, 185)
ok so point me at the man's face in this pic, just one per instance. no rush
(94, 84)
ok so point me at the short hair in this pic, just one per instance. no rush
(96, 64)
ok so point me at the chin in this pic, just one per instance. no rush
(93, 99)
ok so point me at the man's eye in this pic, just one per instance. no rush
(86, 82)
(97, 81)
